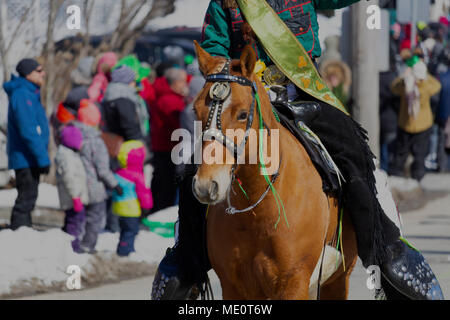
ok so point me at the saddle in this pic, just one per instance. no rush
(296, 116)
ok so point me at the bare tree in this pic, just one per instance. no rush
(134, 17)
(124, 37)
(5, 48)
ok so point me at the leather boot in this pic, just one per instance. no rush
(407, 271)
(167, 284)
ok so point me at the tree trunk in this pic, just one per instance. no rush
(49, 88)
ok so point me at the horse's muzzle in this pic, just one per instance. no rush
(206, 192)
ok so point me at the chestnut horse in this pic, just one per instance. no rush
(285, 242)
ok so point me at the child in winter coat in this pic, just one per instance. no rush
(100, 178)
(136, 198)
(72, 183)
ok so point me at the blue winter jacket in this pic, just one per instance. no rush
(444, 105)
(28, 130)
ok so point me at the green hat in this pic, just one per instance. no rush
(421, 25)
(411, 62)
(133, 63)
(189, 59)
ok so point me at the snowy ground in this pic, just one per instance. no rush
(37, 262)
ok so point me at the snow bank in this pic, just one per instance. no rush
(48, 197)
(36, 262)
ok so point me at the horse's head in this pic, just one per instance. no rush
(226, 108)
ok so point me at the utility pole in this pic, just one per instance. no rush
(365, 73)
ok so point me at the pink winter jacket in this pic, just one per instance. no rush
(131, 179)
(100, 82)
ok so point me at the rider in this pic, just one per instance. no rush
(404, 269)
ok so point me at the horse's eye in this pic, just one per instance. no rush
(243, 115)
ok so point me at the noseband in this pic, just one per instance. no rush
(219, 93)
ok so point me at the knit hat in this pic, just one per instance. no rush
(26, 66)
(64, 115)
(71, 137)
(134, 148)
(134, 64)
(74, 98)
(82, 75)
(106, 62)
(89, 114)
(123, 74)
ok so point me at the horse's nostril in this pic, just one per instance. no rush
(214, 190)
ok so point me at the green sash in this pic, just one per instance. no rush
(286, 51)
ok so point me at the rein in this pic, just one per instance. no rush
(219, 93)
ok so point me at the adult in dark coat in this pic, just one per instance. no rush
(443, 117)
(389, 105)
(28, 138)
(171, 91)
(120, 105)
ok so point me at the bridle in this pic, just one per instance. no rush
(219, 93)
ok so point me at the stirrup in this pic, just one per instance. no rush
(167, 285)
(407, 271)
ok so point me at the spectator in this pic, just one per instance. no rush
(165, 118)
(389, 106)
(82, 75)
(99, 178)
(406, 42)
(136, 198)
(72, 183)
(142, 72)
(28, 138)
(101, 80)
(443, 116)
(89, 114)
(188, 116)
(148, 91)
(67, 111)
(415, 87)
(338, 76)
(120, 105)
(120, 110)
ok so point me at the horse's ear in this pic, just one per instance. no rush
(248, 61)
(204, 58)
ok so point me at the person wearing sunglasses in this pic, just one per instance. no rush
(28, 138)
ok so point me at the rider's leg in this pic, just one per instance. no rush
(186, 264)
(378, 237)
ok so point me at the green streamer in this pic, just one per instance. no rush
(408, 244)
(277, 197)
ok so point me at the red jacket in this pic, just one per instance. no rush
(165, 116)
(148, 92)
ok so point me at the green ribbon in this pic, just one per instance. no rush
(286, 51)
(263, 167)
